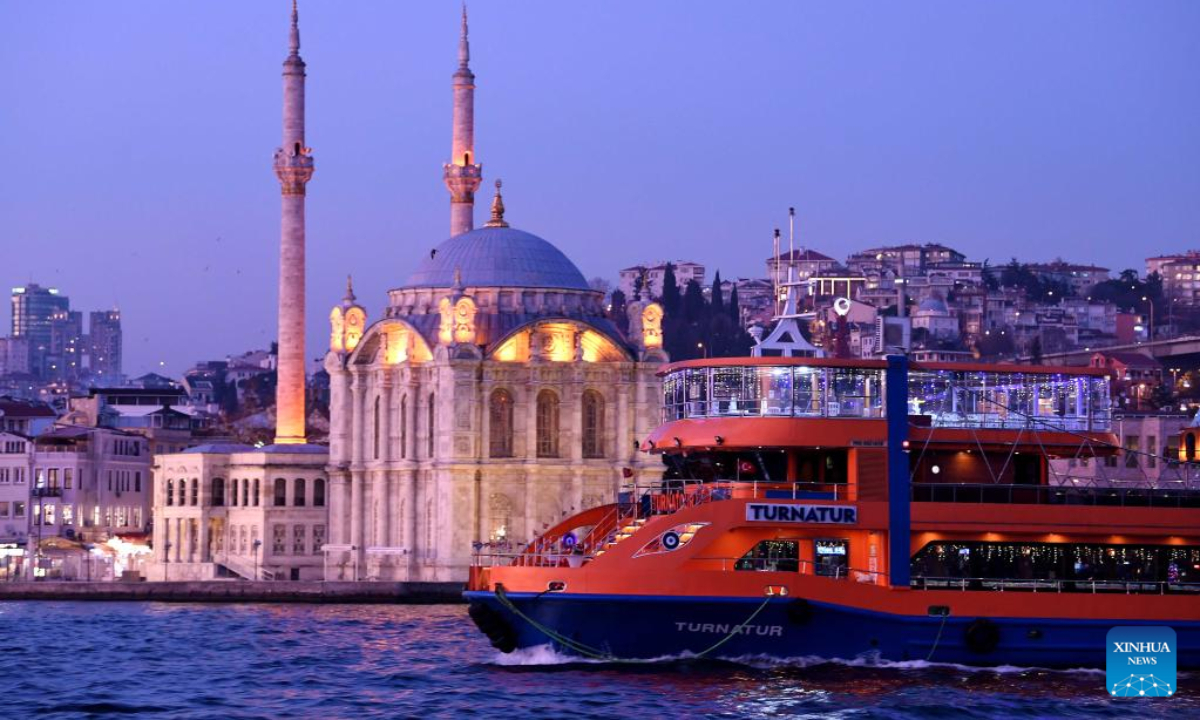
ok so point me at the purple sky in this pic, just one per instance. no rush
(136, 139)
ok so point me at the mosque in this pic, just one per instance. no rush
(492, 398)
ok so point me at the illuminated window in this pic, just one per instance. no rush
(500, 424)
(171, 491)
(547, 424)
(593, 424)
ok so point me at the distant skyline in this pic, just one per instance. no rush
(137, 140)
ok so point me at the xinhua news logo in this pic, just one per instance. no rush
(1141, 662)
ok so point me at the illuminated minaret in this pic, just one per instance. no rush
(462, 173)
(294, 168)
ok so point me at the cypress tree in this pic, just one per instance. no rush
(718, 299)
(735, 312)
(670, 292)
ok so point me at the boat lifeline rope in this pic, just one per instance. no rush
(597, 654)
(938, 638)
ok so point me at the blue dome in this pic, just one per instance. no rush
(498, 257)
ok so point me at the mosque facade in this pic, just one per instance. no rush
(493, 398)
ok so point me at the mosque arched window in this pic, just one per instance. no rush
(319, 492)
(404, 427)
(195, 491)
(170, 493)
(233, 492)
(182, 491)
(500, 424)
(280, 492)
(246, 492)
(299, 495)
(257, 489)
(375, 451)
(432, 432)
(547, 424)
(593, 424)
(218, 492)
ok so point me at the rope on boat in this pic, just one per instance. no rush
(597, 654)
(938, 638)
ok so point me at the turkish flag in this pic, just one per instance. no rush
(745, 467)
(626, 472)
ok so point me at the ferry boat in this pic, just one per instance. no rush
(878, 510)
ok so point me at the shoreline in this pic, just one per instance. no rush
(238, 591)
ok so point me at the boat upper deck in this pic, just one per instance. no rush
(941, 395)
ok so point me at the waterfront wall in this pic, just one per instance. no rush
(237, 591)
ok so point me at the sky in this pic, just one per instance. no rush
(136, 141)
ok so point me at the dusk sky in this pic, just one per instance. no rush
(136, 139)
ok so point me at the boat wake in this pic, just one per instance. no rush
(547, 656)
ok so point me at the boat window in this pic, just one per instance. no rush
(833, 557)
(772, 555)
(1174, 564)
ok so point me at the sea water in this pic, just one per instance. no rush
(128, 660)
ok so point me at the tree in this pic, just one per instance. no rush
(990, 280)
(718, 298)
(618, 312)
(695, 308)
(670, 293)
(1035, 350)
(735, 312)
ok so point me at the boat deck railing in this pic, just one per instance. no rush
(1166, 495)
(1127, 587)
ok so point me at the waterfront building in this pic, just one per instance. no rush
(89, 484)
(652, 275)
(260, 513)
(162, 415)
(16, 468)
(1151, 444)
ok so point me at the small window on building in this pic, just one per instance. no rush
(500, 424)
(170, 491)
(218, 492)
(298, 496)
(280, 492)
(593, 424)
(547, 424)
(319, 492)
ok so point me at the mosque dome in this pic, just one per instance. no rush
(498, 257)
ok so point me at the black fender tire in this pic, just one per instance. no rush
(981, 636)
(799, 611)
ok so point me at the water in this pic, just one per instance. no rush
(109, 660)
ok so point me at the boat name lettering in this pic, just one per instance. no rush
(730, 629)
(774, 512)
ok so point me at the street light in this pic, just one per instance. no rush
(1146, 300)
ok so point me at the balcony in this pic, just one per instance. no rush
(44, 492)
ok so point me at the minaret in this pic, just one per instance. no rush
(294, 168)
(462, 174)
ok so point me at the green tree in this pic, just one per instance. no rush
(718, 297)
(670, 293)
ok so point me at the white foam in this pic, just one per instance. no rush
(546, 655)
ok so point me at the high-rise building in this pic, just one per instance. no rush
(104, 345)
(65, 357)
(33, 311)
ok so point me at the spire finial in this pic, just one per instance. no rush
(464, 45)
(294, 43)
(350, 290)
(497, 209)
